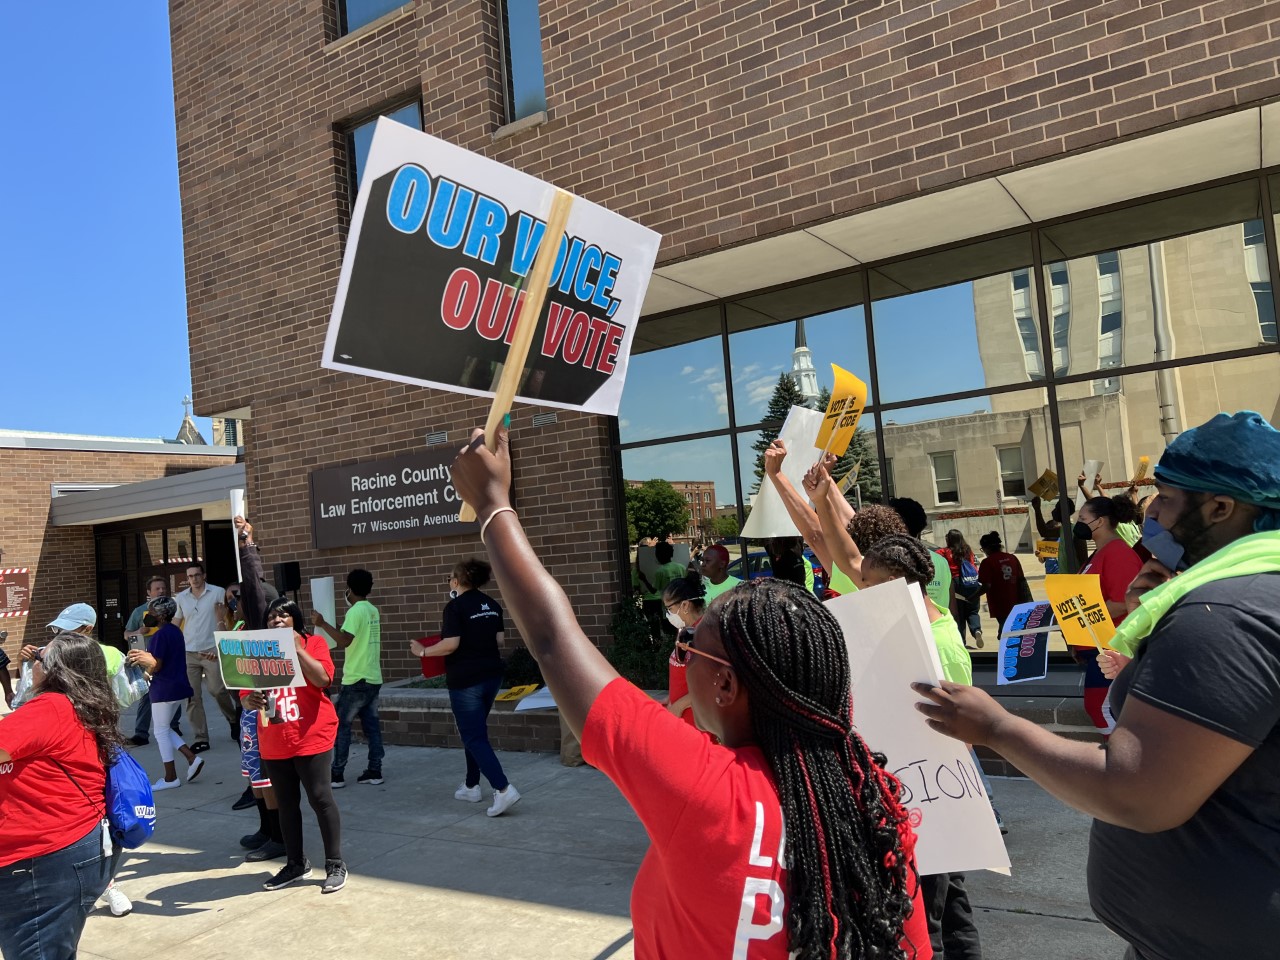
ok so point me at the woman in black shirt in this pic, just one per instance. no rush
(471, 635)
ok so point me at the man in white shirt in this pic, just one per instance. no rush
(200, 609)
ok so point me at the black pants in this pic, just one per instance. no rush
(289, 778)
(951, 929)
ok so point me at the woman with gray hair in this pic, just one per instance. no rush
(165, 663)
(54, 751)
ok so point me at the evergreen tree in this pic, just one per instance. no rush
(785, 396)
(861, 448)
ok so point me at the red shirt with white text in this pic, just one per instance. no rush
(305, 722)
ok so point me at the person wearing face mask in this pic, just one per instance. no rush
(165, 663)
(361, 637)
(1115, 563)
(1185, 847)
(685, 601)
(471, 639)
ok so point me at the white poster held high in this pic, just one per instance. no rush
(237, 510)
(322, 599)
(768, 514)
(890, 646)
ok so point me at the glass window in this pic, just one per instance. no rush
(959, 320)
(522, 48)
(685, 470)
(361, 136)
(675, 391)
(890, 491)
(1265, 302)
(356, 13)
(1013, 482)
(945, 486)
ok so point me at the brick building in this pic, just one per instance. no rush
(857, 165)
(91, 518)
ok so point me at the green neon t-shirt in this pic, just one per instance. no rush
(939, 588)
(364, 656)
(840, 581)
(957, 666)
(715, 589)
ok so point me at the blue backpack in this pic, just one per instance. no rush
(131, 807)
(968, 576)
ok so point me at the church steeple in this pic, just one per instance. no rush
(802, 371)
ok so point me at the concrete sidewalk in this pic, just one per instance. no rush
(434, 877)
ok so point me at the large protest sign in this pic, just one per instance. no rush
(442, 242)
(1024, 644)
(769, 516)
(1081, 611)
(1091, 469)
(1045, 486)
(848, 398)
(258, 659)
(1046, 549)
(890, 647)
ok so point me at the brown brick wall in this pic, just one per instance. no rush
(711, 122)
(61, 559)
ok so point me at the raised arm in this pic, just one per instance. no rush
(798, 509)
(844, 552)
(253, 599)
(574, 669)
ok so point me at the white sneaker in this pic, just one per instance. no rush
(117, 901)
(163, 784)
(469, 794)
(503, 801)
(193, 771)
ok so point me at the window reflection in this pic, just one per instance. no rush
(684, 489)
(356, 13)
(361, 137)
(675, 391)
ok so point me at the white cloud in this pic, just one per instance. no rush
(720, 396)
(686, 371)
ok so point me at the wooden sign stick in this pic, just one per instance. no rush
(526, 324)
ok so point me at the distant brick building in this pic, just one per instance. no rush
(854, 164)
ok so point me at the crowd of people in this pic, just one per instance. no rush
(775, 830)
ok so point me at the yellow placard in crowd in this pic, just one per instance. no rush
(517, 693)
(1144, 464)
(847, 402)
(1046, 488)
(1080, 610)
(849, 479)
(1046, 549)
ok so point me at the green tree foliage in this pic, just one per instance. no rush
(861, 448)
(785, 396)
(723, 528)
(655, 509)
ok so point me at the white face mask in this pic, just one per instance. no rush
(673, 618)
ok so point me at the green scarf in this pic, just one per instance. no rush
(1256, 553)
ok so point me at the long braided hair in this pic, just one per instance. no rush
(848, 843)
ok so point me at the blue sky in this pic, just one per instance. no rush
(94, 320)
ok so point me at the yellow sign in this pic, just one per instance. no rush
(847, 402)
(517, 693)
(1144, 463)
(1080, 610)
(1046, 549)
(1046, 488)
(849, 479)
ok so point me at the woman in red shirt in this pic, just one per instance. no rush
(296, 743)
(1116, 564)
(54, 751)
(768, 674)
(686, 601)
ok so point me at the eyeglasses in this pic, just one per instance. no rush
(683, 649)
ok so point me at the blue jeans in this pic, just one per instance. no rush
(47, 899)
(142, 729)
(359, 699)
(471, 706)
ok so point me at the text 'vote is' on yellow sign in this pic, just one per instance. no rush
(848, 398)
(1080, 610)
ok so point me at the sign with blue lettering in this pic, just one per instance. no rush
(442, 241)
(1024, 644)
(258, 659)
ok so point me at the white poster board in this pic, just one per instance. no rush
(322, 600)
(1090, 470)
(237, 510)
(769, 516)
(441, 243)
(259, 659)
(890, 646)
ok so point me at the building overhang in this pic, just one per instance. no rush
(1206, 150)
(205, 490)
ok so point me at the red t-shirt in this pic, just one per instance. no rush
(1000, 574)
(712, 883)
(41, 810)
(678, 685)
(1116, 565)
(305, 722)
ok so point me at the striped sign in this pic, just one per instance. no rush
(15, 591)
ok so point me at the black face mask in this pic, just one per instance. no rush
(232, 602)
(1081, 531)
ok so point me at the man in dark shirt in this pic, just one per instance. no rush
(1184, 855)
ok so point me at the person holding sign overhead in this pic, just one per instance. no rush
(296, 742)
(1185, 847)
(768, 672)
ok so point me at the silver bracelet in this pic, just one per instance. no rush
(485, 526)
